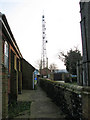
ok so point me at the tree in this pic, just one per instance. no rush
(70, 59)
(53, 67)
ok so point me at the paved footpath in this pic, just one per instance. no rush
(41, 106)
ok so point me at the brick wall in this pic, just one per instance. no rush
(9, 86)
(13, 86)
(27, 75)
(3, 82)
(19, 82)
(4, 92)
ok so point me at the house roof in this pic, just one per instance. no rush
(28, 63)
(6, 27)
(61, 71)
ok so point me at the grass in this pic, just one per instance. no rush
(17, 108)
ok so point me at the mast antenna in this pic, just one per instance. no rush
(44, 42)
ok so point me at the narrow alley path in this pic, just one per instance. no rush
(41, 106)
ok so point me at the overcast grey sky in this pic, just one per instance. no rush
(62, 26)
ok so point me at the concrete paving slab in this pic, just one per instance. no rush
(41, 106)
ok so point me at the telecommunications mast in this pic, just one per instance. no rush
(44, 60)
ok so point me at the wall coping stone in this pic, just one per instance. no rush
(70, 87)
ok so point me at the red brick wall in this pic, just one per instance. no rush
(10, 48)
(4, 92)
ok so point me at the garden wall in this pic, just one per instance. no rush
(74, 100)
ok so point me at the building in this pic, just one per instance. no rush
(15, 72)
(10, 66)
(27, 75)
(61, 75)
(85, 33)
(45, 72)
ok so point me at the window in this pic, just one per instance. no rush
(6, 54)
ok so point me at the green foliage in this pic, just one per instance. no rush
(70, 60)
(17, 108)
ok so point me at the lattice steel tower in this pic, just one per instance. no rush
(44, 60)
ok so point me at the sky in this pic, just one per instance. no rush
(62, 27)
